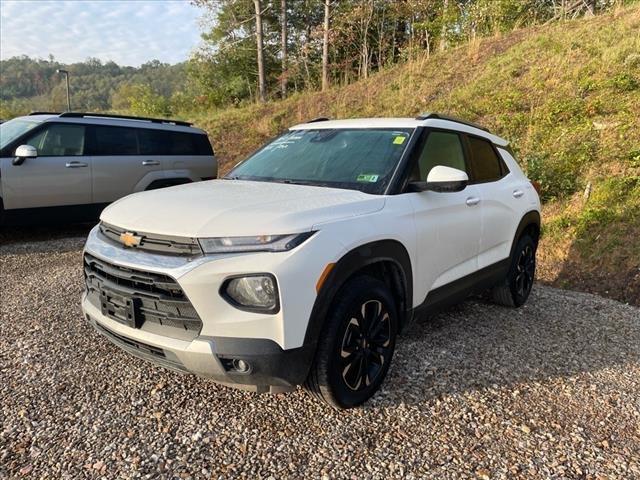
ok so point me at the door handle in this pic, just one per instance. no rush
(149, 163)
(518, 193)
(471, 201)
(76, 164)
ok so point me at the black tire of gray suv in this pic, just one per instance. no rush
(356, 345)
(515, 290)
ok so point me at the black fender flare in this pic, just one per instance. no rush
(168, 182)
(531, 218)
(353, 261)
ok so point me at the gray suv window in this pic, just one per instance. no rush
(59, 140)
(162, 142)
(113, 141)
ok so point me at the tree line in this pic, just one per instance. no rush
(263, 49)
(256, 50)
(28, 84)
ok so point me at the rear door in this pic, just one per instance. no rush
(501, 195)
(184, 154)
(60, 175)
(119, 165)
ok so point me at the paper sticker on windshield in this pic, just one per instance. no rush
(367, 177)
(399, 140)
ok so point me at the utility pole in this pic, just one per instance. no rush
(66, 74)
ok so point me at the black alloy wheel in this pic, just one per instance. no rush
(356, 345)
(366, 345)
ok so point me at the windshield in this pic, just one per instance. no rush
(12, 129)
(357, 159)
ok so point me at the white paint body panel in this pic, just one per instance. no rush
(236, 208)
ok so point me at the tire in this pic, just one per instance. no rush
(515, 289)
(356, 345)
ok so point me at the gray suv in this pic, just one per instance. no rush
(71, 165)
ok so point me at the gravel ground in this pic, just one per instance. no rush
(548, 391)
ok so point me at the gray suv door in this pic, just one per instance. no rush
(118, 166)
(59, 175)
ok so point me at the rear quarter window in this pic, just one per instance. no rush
(163, 142)
(485, 164)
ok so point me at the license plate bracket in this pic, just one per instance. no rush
(120, 308)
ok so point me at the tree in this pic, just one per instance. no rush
(262, 86)
(325, 46)
(283, 46)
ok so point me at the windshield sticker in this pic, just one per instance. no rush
(399, 140)
(367, 177)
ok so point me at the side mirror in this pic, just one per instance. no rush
(23, 152)
(442, 179)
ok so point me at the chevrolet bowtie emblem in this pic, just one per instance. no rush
(128, 239)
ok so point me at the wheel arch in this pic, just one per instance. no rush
(387, 260)
(167, 182)
(530, 223)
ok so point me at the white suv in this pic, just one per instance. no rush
(71, 165)
(302, 265)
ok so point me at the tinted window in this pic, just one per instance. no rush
(484, 161)
(441, 148)
(113, 141)
(59, 141)
(163, 142)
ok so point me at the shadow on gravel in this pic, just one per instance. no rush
(478, 345)
(35, 238)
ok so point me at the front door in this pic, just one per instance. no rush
(448, 224)
(59, 175)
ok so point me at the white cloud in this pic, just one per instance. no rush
(129, 32)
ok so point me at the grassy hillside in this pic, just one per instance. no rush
(568, 98)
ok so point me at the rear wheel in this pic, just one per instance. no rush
(515, 290)
(355, 350)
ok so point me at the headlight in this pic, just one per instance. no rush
(260, 243)
(252, 292)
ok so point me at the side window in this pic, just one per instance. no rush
(484, 161)
(164, 142)
(154, 142)
(113, 141)
(59, 141)
(441, 148)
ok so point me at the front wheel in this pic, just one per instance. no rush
(357, 343)
(515, 290)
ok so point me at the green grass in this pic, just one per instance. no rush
(567, 96)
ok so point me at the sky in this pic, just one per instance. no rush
(129, 32)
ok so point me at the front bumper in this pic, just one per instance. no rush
(272, 345)
(271, 369)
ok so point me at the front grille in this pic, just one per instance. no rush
(134, 297)
(155, 243)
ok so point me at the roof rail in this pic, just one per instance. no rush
(439, 116)
(318, 119)
(124, 117)
(44, 113)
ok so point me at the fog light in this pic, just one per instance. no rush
(253, 292)
(241, 366)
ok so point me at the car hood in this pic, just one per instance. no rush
(236, 208)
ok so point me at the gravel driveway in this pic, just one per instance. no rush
(550, 390)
